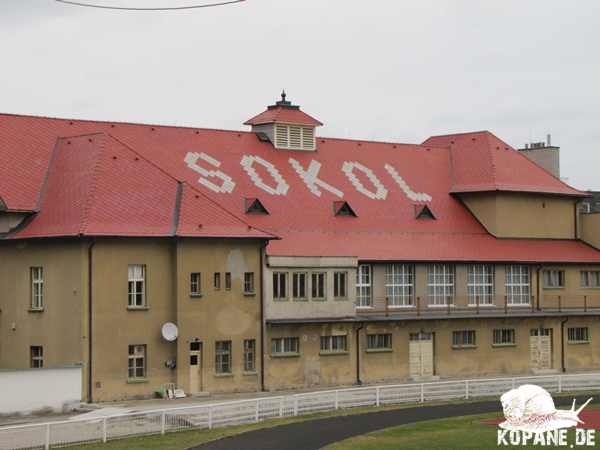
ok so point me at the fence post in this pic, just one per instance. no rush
(448, 303)
(336, 399)
(513, 383)
(559, 307)
(532, 304)
(281, 406)
(585, 303)
(209, 417)
(422, 393)
(256, 410)
(466, 388)
(377, 396)
(162, 422)
(104, 430)
(418, 306)
(505, 304)
(387, 306)
(47, 447)
(477, 304)
(559, 384)
(296, 404)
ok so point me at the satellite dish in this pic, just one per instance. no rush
(170, 331)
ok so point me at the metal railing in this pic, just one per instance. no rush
(411, 306)
(104, 429)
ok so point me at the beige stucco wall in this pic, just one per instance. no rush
(590, 228)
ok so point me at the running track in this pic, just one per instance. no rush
(316, 434)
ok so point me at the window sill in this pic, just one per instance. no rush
(137, 380)
(285, 355)
(137, 308)
(591, 288)
(553, 287)
(577, 342)
(249, 373)
(195, 295)
(341, 299)
(333, 352)
(249, 294)
(300, 299)
(319, 299)
(223, 375)
(35, 310)
(465, 347)
(379, 350)
(280, 299)
(505, 344)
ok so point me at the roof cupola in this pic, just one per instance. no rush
(286, 127)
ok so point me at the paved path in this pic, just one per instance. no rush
(316, 434)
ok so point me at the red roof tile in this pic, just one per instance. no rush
(283, 115)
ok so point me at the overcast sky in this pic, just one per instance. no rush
(385, 70)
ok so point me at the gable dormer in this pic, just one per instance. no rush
(286, 127)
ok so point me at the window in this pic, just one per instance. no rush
(517, 285)
(333, 343)
(228, 280)
(318, 286)
(137, 288)
(463, 338)
(578, 335)
(299, 288)
(294, 137)
(440, 284)
(137, 361)
(249, 351)
(399, 284)
(284, 345)
(554, 278)
(504, 336)
(36, 356)
(480, 284)
(223, 357)
(280, 285)
(37, 288)
(340, 285)
(195, 287)
(363, 287)
(217, 282)
(379, 341)
(249, 283)
(589, 278)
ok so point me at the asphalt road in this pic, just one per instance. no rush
(316, 434)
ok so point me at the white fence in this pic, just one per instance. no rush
(28, 390)
(73, 432)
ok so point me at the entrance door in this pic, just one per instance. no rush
(541, 349)
(195, 367)
(421, 354)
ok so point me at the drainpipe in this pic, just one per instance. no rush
(90, 322)
(358, 380)
(562, 342)
(263, 250)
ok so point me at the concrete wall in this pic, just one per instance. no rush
(30, 390)
(590, 228)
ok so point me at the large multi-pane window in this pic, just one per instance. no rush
(36, 357)
(284, 345)
(517, 285)
(249, 355)
(299, 288)
(333, 343)
(440, 284)
(578, 334)
(480, 284)
(363, 287)
(37, 287)
(463, 338)
(280, 285)
(399, 284)
(590, 278)
(379, 341)
(223, 357)
(340, 285)
(319, 289)
(137, 361)
(137, 285)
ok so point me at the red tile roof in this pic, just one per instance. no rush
(283, 115)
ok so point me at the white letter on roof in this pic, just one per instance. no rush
(310, 178)
(381, 191)
(282, 186)
(410, 194)
(226, 186)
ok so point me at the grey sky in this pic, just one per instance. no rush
(388, 70)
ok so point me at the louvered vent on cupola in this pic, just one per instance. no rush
(342, 208)
(423, 212)
(285, 126)
(254, 206)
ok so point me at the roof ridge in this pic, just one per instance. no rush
(492, 160)
(457, 134)
(90, 199)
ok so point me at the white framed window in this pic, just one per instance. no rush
(340, 285)
(249, 283)
(137, 361)
(319, 289)
(578, 334)
(518, 285)
(553, 278)
(333, 343)
(249, 355)
(463, 338)
(299, 286)
(504, 336)
(440, 284)
(480, 284)
(195, 284)
(228, 281)
(36, 357)
(37, 287)
(217, 281)
(590, 278)
(399, 284)
(284, 345)
(363, 287)
(223, 357)
(137, 285)
(280, 285)
(379, 341)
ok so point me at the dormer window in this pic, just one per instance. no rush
(423, 212)
(294, 137)
(254, 206)
(342, 208)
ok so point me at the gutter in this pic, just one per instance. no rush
(358, 380)
(562, 342)
(90, 322)
(263, 251)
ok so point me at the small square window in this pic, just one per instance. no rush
(217, 282)
(284, 345)
(195, 284)
(463, 339)
(590, 278)
(379, 341)
(137, 361)
(249, 283)
(553, 278)
(578, 335)
(504, 336)
(36, 356)
(333, 343)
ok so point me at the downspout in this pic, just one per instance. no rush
(576, 219)
(562, 342)
(358, 380)
(90, 322)
(262, 319)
